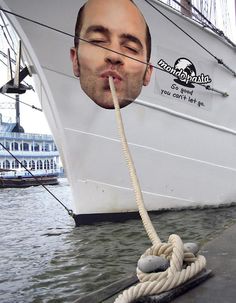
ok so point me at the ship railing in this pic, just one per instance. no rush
(25, 136)
(22, 173)
(20, 153)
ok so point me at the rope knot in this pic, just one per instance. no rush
(181, 266)
(173, 251)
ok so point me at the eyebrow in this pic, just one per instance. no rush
(104, 30)
(132, 38)
(97, 29)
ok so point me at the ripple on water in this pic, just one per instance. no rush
(44, 258)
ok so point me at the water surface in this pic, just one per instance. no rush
(45, 258)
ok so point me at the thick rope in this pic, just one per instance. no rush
(183, 265)
(134, 179)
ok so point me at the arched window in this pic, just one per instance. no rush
(36, 146)
(51, 164)
(39, 164)
(46, 164)
(46, 147)
(25, 146)
(7, 145)
(32, 164)
(6, 164)
(14, 146)
(24, 162)
(15, 164)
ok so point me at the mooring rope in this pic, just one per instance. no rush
(183, 264)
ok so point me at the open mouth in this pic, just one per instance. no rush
(109, 73)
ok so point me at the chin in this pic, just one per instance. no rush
(110, 104)
(105, 105)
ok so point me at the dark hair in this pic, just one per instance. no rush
(79, 23)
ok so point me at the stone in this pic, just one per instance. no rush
(150, 264)
(191, 247)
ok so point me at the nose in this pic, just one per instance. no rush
(114, 57)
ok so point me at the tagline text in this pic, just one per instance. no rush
(182, 94)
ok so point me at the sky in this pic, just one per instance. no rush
(34, 121)
(232, 23)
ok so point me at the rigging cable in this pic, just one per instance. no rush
(220, 61)
(103, 47)
(14, 62)
(4, 33)
(72, 36)
(184, 7)
(32, 106)
(29, 86)
(211, 25)
(224, 94)
(2, 61)
(195, 15)
(70, 212)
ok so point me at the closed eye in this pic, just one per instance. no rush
(97, 41)
(132, 43)
(133, 50)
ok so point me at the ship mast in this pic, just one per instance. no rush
(18, 128)
(186, 8)
(17, 104)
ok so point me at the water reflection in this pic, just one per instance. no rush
(44, 258)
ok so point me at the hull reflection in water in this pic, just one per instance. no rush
(44, 258)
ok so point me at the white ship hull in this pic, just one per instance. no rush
(183, 140)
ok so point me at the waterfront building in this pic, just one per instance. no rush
(37, 152)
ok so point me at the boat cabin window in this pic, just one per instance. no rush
(15, 164)
(51, 164)
(39, 164)
(46, 164)
(14, 146)
(25, 146)
(7, 145)
(46, 147)
(24, 163)
(36, 147)
(32, 164)
(6, 164)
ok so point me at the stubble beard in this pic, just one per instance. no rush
(101, 94)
